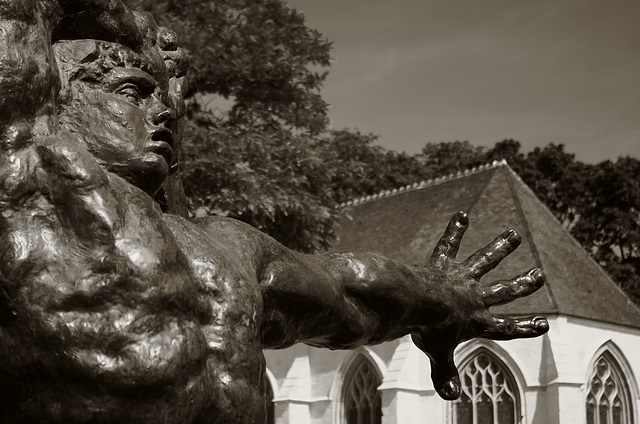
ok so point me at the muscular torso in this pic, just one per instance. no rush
(120, 314)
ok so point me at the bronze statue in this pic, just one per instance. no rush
(112, 311)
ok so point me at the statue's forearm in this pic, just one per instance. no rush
(347, 299)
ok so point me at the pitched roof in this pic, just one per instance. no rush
(406, 225)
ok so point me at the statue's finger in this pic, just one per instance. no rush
(487, 258)
(444, 373)
(504, 291)
(447, 247)
(507, 328)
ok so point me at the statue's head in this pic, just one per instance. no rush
(124, 104)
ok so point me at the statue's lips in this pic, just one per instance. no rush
(161, 143)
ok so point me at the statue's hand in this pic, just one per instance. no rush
(469, 316)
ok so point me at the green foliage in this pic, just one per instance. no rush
(609, 219)
(274, 181)
(609, 224)
(287, 185)
(254, 163)
(360, 167)
(443, 158)
(259, 53)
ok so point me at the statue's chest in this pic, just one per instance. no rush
(227, 281)
(90, 245)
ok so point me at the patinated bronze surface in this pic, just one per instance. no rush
(113, 311)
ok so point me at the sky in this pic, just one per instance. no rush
(537, 71)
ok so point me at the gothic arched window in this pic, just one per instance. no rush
(608, 393)
(360, 394)
(489, 393)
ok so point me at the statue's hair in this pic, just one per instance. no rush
(175, 58)
(165, 42)
(91, 60)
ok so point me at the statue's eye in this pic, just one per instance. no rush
(131, 92)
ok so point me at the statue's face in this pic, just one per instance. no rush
(120, 111)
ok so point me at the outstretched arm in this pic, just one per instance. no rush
(347, 299)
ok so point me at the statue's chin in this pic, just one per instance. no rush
(148, 174)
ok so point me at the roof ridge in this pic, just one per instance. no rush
(575, 242)
(424, 183)
(482, 193)
(532, 245)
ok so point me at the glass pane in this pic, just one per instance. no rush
(365, 414)
(487, 388)
(591, 413)
(482, 361)
(464, 413)
(617, 415)
(602, 368)
(506, 411)
(609, 387)
(377, 409)
(596, 387)
(485, 411)
(352, 416)
(604, 414)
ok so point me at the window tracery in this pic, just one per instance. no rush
(361, 398)
(608, 393)
(489, 393)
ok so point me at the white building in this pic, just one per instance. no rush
(583, 371)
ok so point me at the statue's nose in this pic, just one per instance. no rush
(160, 113)
(162, 117)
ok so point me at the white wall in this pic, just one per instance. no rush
(551, 373)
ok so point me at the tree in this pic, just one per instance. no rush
(609, 224)
(443, 158)
(599, 204)
(509, 150)
(287, 185)
(360, 167)
(259, 53)
(274, 181)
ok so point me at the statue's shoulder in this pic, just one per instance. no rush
(210, 226)
(218, 239)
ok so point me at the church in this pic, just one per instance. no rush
(582, 371)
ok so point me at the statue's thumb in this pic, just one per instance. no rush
(444, 375)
